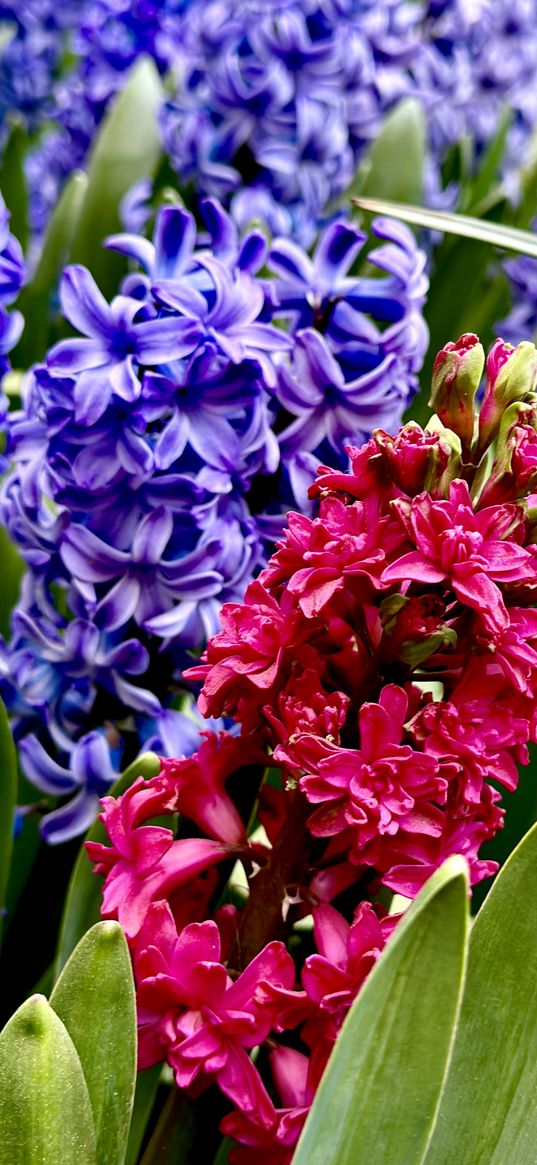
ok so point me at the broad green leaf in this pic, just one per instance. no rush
(94, 998)
(378, 1097)
(495, 234)
(83, 898)
(393, 167)
(126, 149)
(45, 1113)
(8, 797)
(488, 1112)
(13, 181)
(35, 300)
(147, 1083)
(481, 300)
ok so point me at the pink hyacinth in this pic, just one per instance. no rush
(382, 676)
(471, 551)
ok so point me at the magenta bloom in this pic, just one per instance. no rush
(376, 790)
(472, 551)
(381, 674)
(145, 864)
(188, 1004)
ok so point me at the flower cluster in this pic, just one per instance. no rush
(104, 41)
(32, 50)
(522, 277)
(278, 100)
(12, 275)
(154, 457)
(283, 99)
(476, 65)
(384, 665)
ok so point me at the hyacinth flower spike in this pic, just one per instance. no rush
(382, 673)
(156, 453)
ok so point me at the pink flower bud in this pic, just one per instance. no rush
(511, 376)
(457, 371)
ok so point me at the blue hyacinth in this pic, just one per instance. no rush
(155, 454)
(12, 276)
(272, 106)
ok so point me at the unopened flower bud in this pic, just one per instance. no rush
(511, 376)
(445, 460)
(514, 469)
(413, 628)
(418, 459)
(457, 372)
(406, 456)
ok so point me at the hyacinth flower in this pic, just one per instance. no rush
(156, 452)
(282, 100)
(271, 108)
(384, 668)
(12, 276)
(475, 63)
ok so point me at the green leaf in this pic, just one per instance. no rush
(126, 149)
(482, 186)
(83, 898)
(222, 1157)
(13, 181)
(480, 302)
(35, 300)
(8, 798)
(521, 814)
(393, 167)
(94, 998)
(173, 1138)
(45, 1113)
(488, 1114)
(12, 572)
(147, 1083)
(495, 234)
(378, 1097)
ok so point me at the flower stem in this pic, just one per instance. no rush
(261, 919)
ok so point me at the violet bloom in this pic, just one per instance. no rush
(155, 454)
(476, 61)
(116, 342)
(89, 777)
(359, 341)
(285, 99)
(12, 275)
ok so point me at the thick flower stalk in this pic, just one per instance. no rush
(382, 672)
(155, 455)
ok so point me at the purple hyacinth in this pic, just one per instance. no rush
(274, 104)
(521, 322)
(12, 276)
(283, 99)
(155, 455)
(477, 61)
